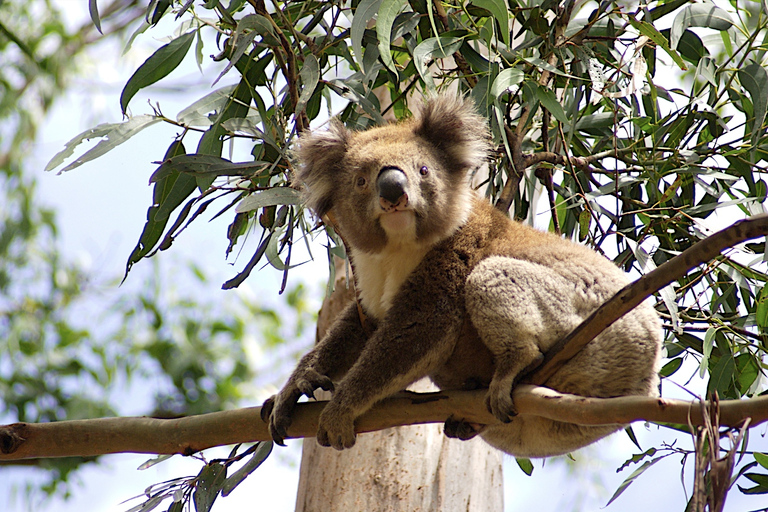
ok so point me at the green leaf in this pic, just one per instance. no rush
(388, 11)
(433, 48)
(762, 484)
(310, 76)
(205, 165)
(654, 35)
(208, 485)
(525, 464)
(698, 15)
(366, 10)
(498, 8)
(761, 310)
(754, 78)
(157, 66)
(114, 135)
(709, 342)
(549, 101)
(259, 455)
(506, 80)
(631, 478)
(93, 10)
(198, 113)
(761, 459)
(270, 197)
(671, 367)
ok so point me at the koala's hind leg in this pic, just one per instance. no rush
(520, 309)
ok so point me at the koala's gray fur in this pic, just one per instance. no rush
(453, 289)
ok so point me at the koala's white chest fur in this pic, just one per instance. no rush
(379, 276)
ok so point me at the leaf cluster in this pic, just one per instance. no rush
(640, 126)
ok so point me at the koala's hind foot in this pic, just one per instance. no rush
(277, 410)
(519, 309)
(460, 429)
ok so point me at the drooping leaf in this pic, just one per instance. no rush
(366, 10)
(631, 478)
(208, 485)
(698, 15)
(93, 10)
(525, 464)
(754, 78)
(388, 11)
(506, 80)
(433, 48)
(549, 101)
(310, 76)
(654, 35)
(259, 455)
(498, 8)
(157, 66)
(114, 135)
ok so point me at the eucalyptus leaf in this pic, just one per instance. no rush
(433, 48)
(365, 11)
(498, 8)
(198, 113)
(114, 135)
(269, 197)
(156, 67)
(310, 76)
(388, 11)
(698, 15)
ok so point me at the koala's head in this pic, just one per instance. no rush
(402, 183)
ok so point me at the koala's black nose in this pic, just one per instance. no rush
(391, 184)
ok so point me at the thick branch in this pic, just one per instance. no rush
(635, 293)
(195, 433)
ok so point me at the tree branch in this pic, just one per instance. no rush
(192, 434)
(635, 293)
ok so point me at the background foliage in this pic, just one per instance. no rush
(642, 128)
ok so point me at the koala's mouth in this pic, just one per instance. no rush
(400, 205)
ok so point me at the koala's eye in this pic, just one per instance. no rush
(424, 170)
(361, 181)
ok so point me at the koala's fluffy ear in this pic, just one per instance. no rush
(320, 154)
(451, 123)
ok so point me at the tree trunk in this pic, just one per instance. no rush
(414, 468)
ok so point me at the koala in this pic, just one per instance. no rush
(453, 289)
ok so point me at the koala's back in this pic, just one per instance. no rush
(528, 289)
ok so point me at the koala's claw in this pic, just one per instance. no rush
(311, 381)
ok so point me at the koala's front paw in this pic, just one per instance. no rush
(336, 427)
(278, 409)
(499, 400)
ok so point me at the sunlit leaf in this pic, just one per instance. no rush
(698, 15)
(498, 8)
(198, 113)
(310, 75)
(433, 48)
(269, 197)
(525, 464)
(388, 11)
(754, 78)
(366, 10)
(506, 80)
(114, 135)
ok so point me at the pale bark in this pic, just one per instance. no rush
(413, 468)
